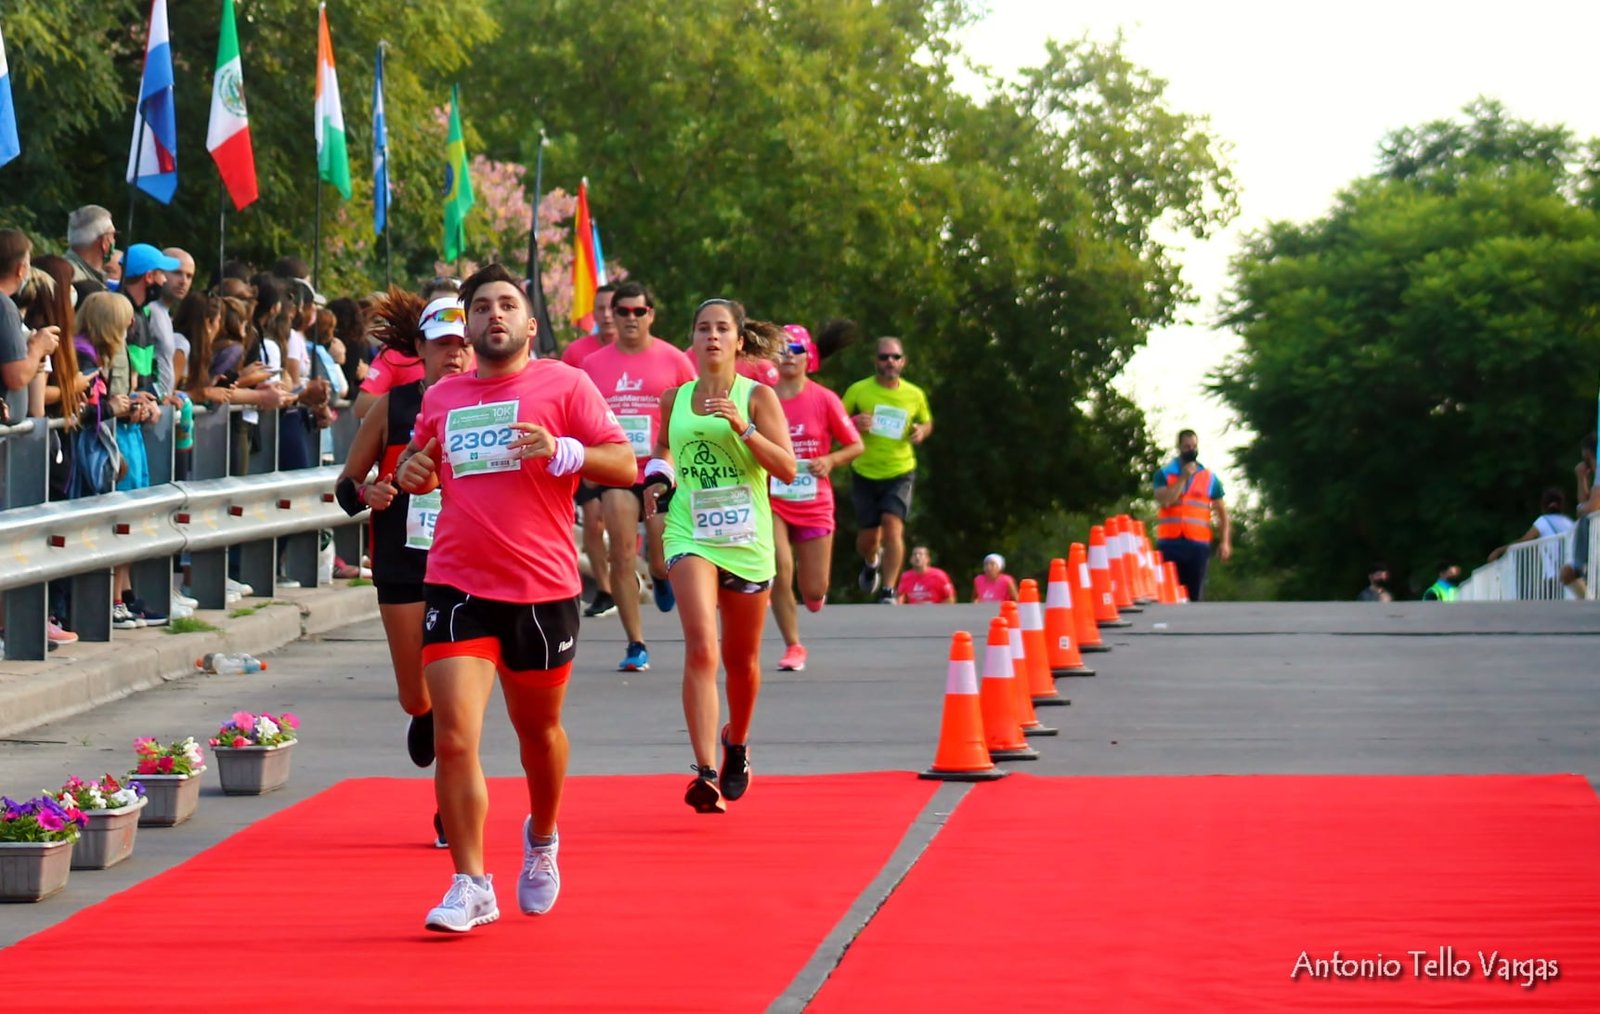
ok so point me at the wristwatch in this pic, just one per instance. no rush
(748, 430)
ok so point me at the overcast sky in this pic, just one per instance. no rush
(1303, 92)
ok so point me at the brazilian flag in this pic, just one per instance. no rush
(458, 199)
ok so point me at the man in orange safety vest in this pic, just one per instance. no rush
(1189, 495)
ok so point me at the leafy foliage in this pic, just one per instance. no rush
(811, 158)
(1418, 364)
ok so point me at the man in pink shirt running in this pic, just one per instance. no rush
(632, 373)
(505, 446)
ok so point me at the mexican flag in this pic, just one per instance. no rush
(333, 163)
(228, 136)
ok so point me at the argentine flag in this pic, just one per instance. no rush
(153, 165)
(9, 146)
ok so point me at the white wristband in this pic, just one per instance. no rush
(663, 468)
(567, 458)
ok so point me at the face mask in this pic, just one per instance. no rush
(1188, 456)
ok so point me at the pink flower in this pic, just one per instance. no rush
(214, 742)
(49, 821)
(164, 765)
(240, 741)
(147, 766)
(243, 719)
(290, 719)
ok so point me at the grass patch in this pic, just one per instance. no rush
(360, 582)
(188, 625)
(243, 611)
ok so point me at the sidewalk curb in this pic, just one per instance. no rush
(77, 677)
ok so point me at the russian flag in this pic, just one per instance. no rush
(153, 166)
(10, 147)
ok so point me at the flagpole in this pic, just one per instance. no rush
(316, 243)
(538, 200)
(138, 163)
(222, 229)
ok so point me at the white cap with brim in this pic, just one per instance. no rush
(444, 317)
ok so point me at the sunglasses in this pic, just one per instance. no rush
(447, 315)
(795, 349)
(884, 357)
(630, 311)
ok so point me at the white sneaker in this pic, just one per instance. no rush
(180, 611)
(239, 588)
(540, 882)
(122, 618)
(287, 582)
(179, 598)
(464, 906)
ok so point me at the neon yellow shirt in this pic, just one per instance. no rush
(894, 410)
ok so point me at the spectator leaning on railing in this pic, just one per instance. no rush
(22, 352)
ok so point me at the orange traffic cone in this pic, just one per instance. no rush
(1147, 554)
(1105, 606)
(1040, 684)
(1167, 571)
(1060, 631)
(1083, 600)
(1136, 562)
(1119, 543)
(998, 698)
(961, 755)
(1026, 716)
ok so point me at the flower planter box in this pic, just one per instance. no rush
(172, 799)
(108, 839)
(33, 871)
(253, 770)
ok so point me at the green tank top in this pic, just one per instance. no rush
(720, 511)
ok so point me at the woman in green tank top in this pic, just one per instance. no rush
(721, 437)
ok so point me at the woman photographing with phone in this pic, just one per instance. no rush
(721, 438)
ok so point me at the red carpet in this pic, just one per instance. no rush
(320, 907)
(1199, 894)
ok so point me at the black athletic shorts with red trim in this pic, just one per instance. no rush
(539, 637)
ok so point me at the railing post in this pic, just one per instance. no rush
(158, 446)
(91, 605)
(26, 615)
(27, 466)
(210, 459)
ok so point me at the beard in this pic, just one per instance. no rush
(488, 347)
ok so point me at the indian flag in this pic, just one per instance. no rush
(333, 163)
(228, 136)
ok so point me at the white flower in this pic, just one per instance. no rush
(266, 727)
(121, 798)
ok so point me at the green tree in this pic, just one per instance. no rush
(1419, 363)
(813, 159)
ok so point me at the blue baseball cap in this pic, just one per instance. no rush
(142, 258)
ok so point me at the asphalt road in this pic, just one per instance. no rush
(1411, 688)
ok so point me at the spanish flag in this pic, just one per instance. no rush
(584, 264)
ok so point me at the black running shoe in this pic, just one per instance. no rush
(735, 768)
(603, 605)
(438, 832)
(419, 739)
(868, 579)
(703, 793)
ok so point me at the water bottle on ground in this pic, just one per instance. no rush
(228, 663)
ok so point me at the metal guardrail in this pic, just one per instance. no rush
(1531, 571)
(225, 519)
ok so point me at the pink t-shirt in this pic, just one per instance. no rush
(390, 370)
(1001, 589)
(816, 420)
(926, 587)
(762, 371)
(632, 384)
(578, 351)
(507, 534)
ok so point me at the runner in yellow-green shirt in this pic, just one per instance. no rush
(719, 441)
(893, 417)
